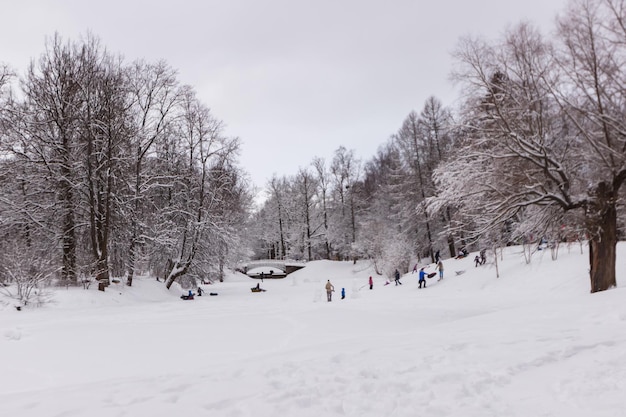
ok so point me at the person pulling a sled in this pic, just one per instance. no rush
(422, 278)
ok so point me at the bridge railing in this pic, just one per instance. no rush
(273, 263)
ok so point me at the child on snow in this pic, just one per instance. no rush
(422, 277)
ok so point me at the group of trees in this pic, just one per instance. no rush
(543, 141)
(109, 168)
(350, 210)
(311, 214)
(114, 169)
(537, 149)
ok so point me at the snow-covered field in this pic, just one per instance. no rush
(533, 342)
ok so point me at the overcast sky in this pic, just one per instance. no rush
(292, 79)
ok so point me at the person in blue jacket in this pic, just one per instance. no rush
(343, 293)
(422, 277)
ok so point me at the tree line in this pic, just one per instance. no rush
(111, 168)
(116, 169)
(346, 209)
(537, 149)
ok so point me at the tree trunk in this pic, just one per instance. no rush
(178, 270)
(495, 257)
(602, 224)
(69, 233)
(221, 268)
(451, 246)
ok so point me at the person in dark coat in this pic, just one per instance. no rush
(371, 282)
(397, 277)
(200, 291)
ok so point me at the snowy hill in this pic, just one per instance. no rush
(533, 342)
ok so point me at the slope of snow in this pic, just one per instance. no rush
(533, 342)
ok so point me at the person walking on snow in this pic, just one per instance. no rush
(343, 293)
(329, 290)
(397, 277)
(371, 282)
(440, 268)
(422, 278)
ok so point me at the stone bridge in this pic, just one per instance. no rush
(279, 268)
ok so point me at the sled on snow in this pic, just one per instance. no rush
(186, 297)
(432, 274)
(255, 289)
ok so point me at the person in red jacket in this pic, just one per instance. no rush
(371, 283)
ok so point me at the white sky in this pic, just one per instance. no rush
(293, 79)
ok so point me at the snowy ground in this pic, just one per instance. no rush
(533, 342)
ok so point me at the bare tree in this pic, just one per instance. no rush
(305, 186)
(104, 131)
(436, 121)
(154, 92)
(277, 189)
(206, 150)
(345, 169)
(26, 274)
(543, 129)
(53, 106)
(412, 140)
(592, 55)
(323, 182)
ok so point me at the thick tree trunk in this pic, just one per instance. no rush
(69, 234)
(69, 248)
(102, 269)
(221, 269)
(451, 244)
(131, 262)
(178, 270)
(602, 224)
